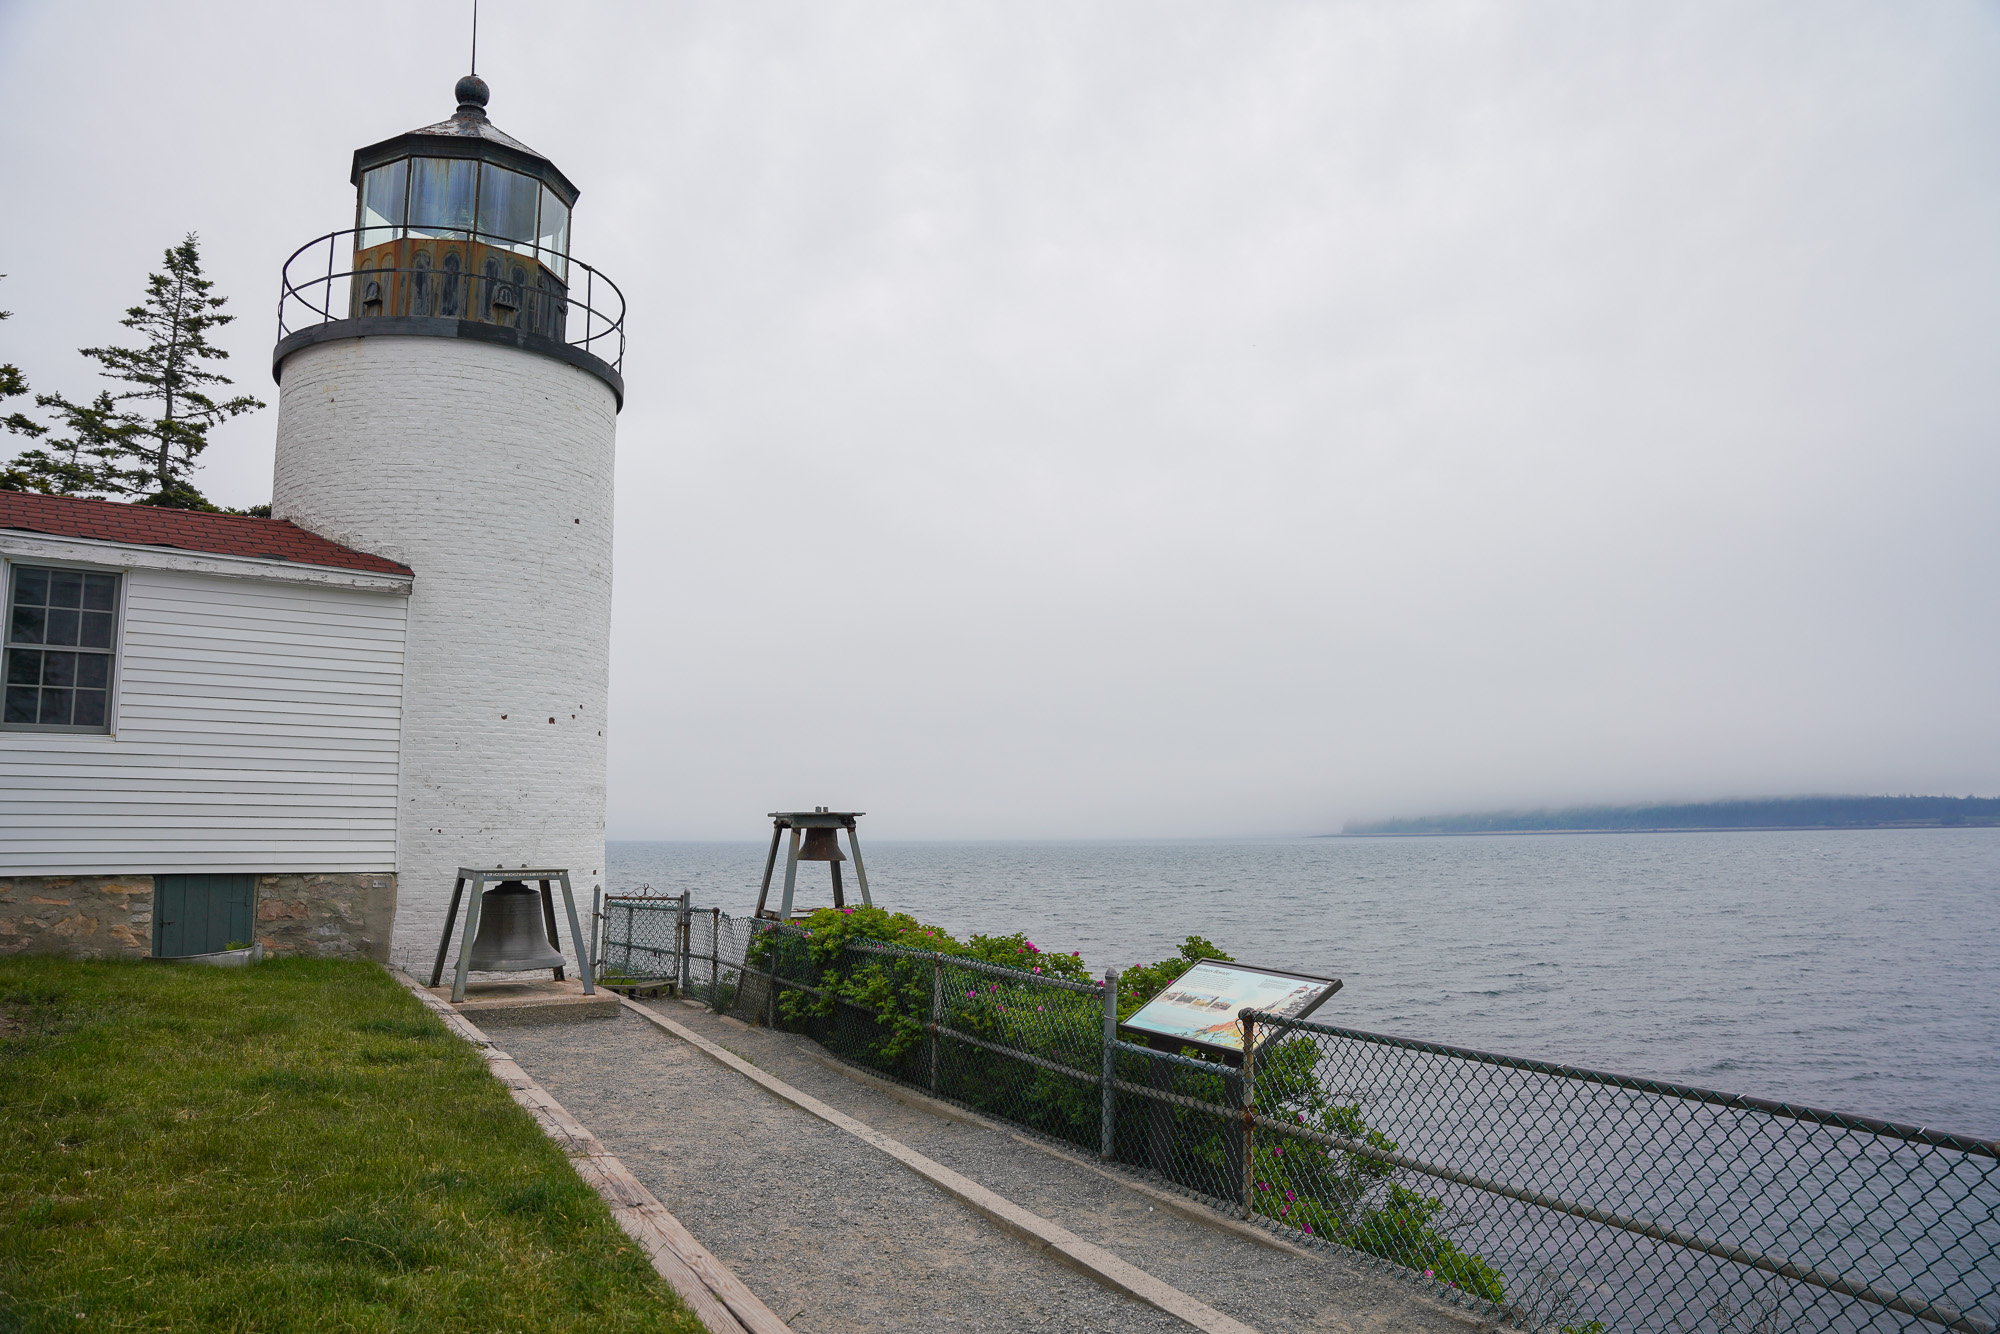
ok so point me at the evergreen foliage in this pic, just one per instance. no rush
(142, 442)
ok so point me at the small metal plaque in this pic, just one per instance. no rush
(1200, 1008)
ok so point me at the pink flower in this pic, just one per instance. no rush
(1039, 1009)
(1430, 1273)
(1284, 1209)
(969, 993)
(1290, 1196)
(1309, 1227)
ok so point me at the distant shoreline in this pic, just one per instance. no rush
(1674, 829)
(1744, 814)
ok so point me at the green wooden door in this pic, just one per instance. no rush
(199, 914)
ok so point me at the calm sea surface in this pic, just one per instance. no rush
(1856, 971)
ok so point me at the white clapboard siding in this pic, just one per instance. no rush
(258, 730)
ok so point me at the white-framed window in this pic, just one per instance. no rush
(61, 648)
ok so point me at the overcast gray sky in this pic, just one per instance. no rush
(1105, 419)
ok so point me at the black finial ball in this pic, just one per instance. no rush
(472, 91)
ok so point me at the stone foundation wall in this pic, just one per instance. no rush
(327, 916)
(336, 916)
(88, 916)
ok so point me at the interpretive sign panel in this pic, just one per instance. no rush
(1200, 1008)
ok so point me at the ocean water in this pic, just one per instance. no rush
(1849, 970)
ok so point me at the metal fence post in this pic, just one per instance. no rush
(1248, 1098)
(771, 953)
(683, 974)
(590, 969)
(937, 1016)
(1107, 1134)
(715, 959)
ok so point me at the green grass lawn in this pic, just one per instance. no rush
(295, 1146)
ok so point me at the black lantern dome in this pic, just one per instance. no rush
(462, 223)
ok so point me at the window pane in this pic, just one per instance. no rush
(382, 193)
(100, 592)
(60, 686)
(441, 195)
(65, 588)
(95, 631)
(93, 670)
(507, 206)
(91, 708)
(554, 238)
(31, 586)
(28, 625)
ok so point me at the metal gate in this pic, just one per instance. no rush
(651, 941)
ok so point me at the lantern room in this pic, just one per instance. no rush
(460, 231)
(459, 221)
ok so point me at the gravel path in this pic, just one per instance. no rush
(836, 1237)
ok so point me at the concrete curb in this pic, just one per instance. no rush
(1057, 1242)
(718, 1297)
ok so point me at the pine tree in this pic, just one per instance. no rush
(157, 463)
(113, 446)
(82, 463)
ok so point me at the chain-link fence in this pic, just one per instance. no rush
(1556, 1199)
(648, 942)
(1577, 1200)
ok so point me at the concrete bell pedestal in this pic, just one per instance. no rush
(528, 1001)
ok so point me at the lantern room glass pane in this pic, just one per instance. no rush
(507, 207)
(555, 234)
(382, 195)
(442, 195)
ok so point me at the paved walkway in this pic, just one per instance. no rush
(839, 1239)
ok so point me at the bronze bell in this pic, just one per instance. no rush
(822, 845)
(513, 935)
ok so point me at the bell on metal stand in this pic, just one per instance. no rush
(820, 828)
(513, 935)
(510, 928)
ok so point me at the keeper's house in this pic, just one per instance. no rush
(202, 717)
(294, 730)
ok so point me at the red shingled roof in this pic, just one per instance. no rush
(189, 530)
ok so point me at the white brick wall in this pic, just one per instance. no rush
(487, 470)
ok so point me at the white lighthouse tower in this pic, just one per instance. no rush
(449, 387)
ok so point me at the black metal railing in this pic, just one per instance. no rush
(467, 275)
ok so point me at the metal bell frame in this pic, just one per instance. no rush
(479, 878)
(821, 828)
